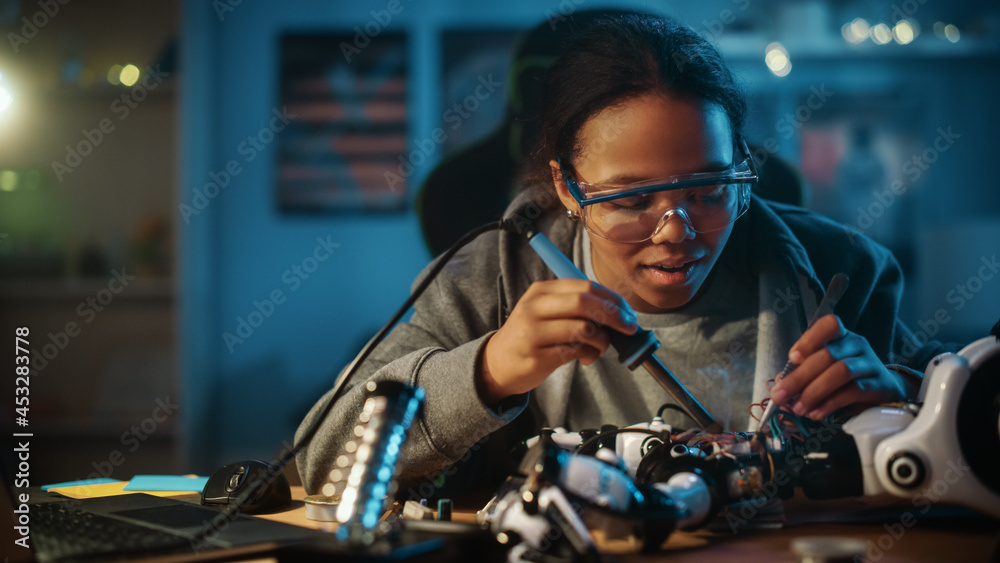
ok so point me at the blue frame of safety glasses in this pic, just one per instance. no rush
(743, 173)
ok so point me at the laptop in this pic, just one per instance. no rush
(152, 529)
(138, 527)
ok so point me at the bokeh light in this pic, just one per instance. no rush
(777, 60)
(904, 32)
(848, 32)
(8, 181)
(129, 75)
(115, 75)
(859, 28)
(951, 33)
(881, 34)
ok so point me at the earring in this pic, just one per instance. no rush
(573, 215)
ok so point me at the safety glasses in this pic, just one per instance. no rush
(707, 201)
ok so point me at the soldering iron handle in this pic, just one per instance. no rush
(632, 348)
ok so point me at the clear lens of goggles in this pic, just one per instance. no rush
(708, 201)
(636, 217)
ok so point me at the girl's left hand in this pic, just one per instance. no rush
(836, 368)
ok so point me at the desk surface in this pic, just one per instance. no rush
(895, 531)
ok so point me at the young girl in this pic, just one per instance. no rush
(641, 178)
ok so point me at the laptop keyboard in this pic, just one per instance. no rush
(61, 532)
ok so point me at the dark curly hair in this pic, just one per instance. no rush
(615, 60)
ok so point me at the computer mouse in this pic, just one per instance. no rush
(271, 491)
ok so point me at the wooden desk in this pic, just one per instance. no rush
(897, 532)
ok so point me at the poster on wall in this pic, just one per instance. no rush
(342, 147)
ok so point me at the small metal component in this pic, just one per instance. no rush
(444, 510)
(413, 510)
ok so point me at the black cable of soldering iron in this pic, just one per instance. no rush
(442, 260)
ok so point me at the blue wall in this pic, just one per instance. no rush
(246, 397)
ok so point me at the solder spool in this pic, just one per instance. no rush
(321, 508)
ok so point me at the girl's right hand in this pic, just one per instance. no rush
(555, 322)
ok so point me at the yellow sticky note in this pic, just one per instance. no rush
(109, 489)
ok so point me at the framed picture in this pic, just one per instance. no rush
(344, 148)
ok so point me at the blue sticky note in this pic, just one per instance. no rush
(81, 482)
(166, 483)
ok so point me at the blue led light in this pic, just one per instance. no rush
(384, 474)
